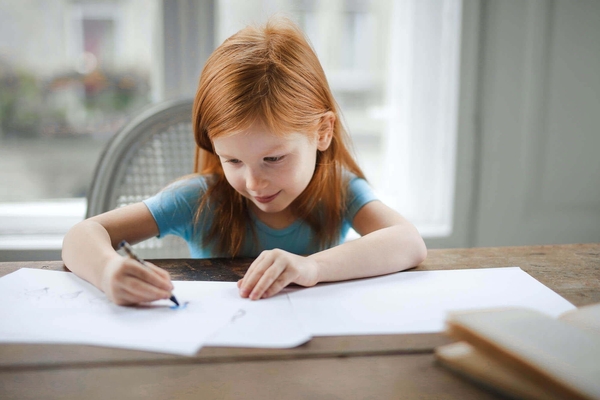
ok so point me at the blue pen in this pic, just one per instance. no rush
(131, 253)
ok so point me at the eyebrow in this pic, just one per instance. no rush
(274, 149)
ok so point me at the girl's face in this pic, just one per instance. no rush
(269, 170)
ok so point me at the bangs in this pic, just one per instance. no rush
(259, 75)
(271, 98)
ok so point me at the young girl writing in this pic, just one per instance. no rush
(276, 181)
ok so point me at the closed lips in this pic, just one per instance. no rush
(266, 199)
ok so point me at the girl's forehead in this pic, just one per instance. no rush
(259, 141)
(259, 130)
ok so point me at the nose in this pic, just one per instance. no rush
(255, 180)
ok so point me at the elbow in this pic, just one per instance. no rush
(410, 246)
(420, 250)
(69, 241)
(416, 248)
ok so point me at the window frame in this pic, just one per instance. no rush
(191, 27)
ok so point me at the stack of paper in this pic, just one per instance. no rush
(58, 307)
(527, 354)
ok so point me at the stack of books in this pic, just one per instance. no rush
(525, 354)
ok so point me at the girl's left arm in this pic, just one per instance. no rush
(388, 243)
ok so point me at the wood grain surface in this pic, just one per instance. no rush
(373, 366)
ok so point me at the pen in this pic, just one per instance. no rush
(131, 254)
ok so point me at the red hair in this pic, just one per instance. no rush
(271, 74)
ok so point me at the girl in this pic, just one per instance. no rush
(276, 181)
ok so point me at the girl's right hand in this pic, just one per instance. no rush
(127, 282)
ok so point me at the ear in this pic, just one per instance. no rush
(326, 131)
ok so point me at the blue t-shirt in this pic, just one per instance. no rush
(174, 210)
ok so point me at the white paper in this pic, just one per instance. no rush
(418, 301)
(268, 323)
(58, 307)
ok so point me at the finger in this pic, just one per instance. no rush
(277, 286)
(251, 280)
(138, 291)
(160, 271)
(268, 278)
(256, 270)
(122, 296)
(147, 274)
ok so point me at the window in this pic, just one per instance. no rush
(393, 68)
(72, 72)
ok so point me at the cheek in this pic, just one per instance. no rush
(302, 173)
(233, 177)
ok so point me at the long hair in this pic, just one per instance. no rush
(270, 74)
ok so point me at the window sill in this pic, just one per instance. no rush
(38, 225)
(35, 230)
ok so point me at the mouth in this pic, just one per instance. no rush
(267, 199)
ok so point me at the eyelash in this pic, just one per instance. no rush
(273, 159)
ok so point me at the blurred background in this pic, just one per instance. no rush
(479, 120)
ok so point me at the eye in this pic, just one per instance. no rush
(273, 159)
(233, 161)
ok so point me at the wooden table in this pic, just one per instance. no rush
(349, 367)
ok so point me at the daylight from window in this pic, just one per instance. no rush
(73, 72)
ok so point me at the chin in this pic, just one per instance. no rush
(270, 208)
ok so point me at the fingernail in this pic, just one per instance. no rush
(244, 292)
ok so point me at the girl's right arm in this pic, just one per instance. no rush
(89, 251)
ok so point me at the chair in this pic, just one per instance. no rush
(155, 148)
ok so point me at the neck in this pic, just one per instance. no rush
(278, 220)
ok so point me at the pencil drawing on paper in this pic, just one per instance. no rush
(99, 300)
(239, 314)
(72, 295)
(37, 293)
(182, 306)
(63, 296)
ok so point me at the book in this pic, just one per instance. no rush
(526, 354)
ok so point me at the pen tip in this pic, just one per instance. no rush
(174, 300)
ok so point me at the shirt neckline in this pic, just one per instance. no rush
(272, 231)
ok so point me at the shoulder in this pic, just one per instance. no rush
(356, 185)
(174, 208)
(191, 185)
(359, 193)
(184, 192)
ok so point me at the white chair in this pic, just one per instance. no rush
(155, 148)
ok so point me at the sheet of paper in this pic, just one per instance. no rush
(57, 307)
(269, 323)
(418, 301)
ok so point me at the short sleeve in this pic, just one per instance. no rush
(174, 208)
(359, 194)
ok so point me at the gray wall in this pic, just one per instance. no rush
(529, 130)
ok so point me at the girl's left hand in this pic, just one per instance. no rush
(275, 269)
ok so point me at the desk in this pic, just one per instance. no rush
(377, 367)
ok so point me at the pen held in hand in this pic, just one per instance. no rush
(129, 250)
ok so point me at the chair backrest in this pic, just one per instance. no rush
(151, 151)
